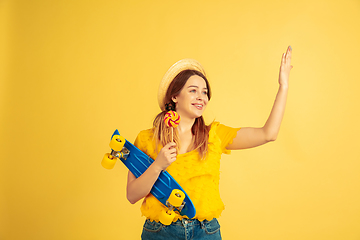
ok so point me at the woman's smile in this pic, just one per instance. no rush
(198, 106)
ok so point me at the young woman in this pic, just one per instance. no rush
(193, 157)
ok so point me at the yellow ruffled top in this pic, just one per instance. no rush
(199, 178)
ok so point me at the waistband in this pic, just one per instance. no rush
(187, 222)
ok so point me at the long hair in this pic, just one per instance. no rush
(199, 129)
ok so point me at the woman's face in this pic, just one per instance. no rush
(192, 100)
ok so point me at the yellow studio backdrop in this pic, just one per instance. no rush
(74, 71)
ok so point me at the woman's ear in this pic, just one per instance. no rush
(174, 99)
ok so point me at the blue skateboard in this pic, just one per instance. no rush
(165, 189)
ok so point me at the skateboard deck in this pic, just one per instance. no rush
(165, 188)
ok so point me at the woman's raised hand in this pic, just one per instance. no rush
(285, 68)
(166, 156)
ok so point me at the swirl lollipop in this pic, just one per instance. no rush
(172, 119)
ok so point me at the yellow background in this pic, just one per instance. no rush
(74, 71)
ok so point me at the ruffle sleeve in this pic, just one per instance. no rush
(226, 135)
(144, 142)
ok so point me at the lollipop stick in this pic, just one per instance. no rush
(172, 134)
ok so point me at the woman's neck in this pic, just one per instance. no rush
(185, 125)
(185, 135)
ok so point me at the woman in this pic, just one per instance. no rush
(197, 149)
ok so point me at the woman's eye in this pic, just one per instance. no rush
(205, 93)
(193, 90)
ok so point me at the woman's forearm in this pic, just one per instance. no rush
(272, 125)
(138, 188)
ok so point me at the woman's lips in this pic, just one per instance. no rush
(198, 106)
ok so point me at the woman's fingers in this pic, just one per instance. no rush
(286, 57)
(283, 59)
(170, 151)
(166, 156)
(288, 54)
(170, 144)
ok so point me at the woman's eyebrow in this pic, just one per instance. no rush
(196, 87)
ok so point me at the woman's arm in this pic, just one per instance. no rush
(252, 137)
(138, 188)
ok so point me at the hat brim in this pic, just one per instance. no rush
(174, 70)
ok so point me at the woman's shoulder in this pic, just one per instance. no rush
(225, 133)
(147, 133)
(220, 128)
(214, 126)
(144, 138)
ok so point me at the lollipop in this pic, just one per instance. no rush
(172, 119)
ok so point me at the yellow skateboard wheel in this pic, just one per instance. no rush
(108, 162)
(117, 143)
(166, 217)
(176, 198)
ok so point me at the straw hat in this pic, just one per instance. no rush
(174, 70)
